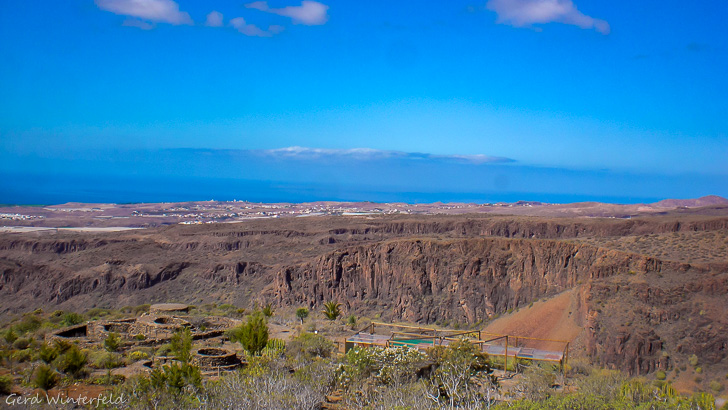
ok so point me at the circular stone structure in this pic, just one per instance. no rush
(157, 326)
(212, 358)
(212, 322)
(168, 308)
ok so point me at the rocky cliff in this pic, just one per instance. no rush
(466, 280)
(640, 311)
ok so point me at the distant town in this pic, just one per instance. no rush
(81, 216)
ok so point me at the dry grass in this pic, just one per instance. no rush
(691, 247)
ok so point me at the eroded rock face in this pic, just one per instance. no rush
(638, 325)
(233, 273)
(60, 285)
(466, 280)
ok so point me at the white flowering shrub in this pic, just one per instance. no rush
(385, 365)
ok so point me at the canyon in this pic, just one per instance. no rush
(637, 308)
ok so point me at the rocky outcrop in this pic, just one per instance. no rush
(633, 351)
(639, 325)
(114, 280)
(466, 280)
(59, 285)
(233, 273)
(534, 227)
(53, 246)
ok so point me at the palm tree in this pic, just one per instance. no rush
(331, 310)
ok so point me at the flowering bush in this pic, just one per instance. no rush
(386, 365)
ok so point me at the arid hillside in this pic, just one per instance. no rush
(641, 304)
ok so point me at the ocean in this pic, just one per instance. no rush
(54, 189)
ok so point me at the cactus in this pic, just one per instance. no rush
(276, 344)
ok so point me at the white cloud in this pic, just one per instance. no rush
(162, 11)
(523, 13)
(214, 19)
(310, 13)
(144, 25)
(252, 30)
(365, 154)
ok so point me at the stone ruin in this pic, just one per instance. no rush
(157, 327)
(214, 358)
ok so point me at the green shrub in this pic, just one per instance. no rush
(111, 361)
(62, 345)
(23, 355)
(252, 335)
(102, 359)
(176, 377)
(140, 337)
(21, 343)
(660, 375)
(72, 362)
(45, 378)
(698, 370)
(309, 345)
(71, 319)
(29, 323)
(96, 313)
(351, 321)
(716, 386)
(6, 385)
(181, 345)
(48, 353)
(10, 336)
(112, 343)
(693, 360)
(268, 310)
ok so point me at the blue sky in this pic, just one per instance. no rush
(602, 92)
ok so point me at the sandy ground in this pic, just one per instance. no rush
(99, 229)
(18, 229)
(556, 318)
(278, 331)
